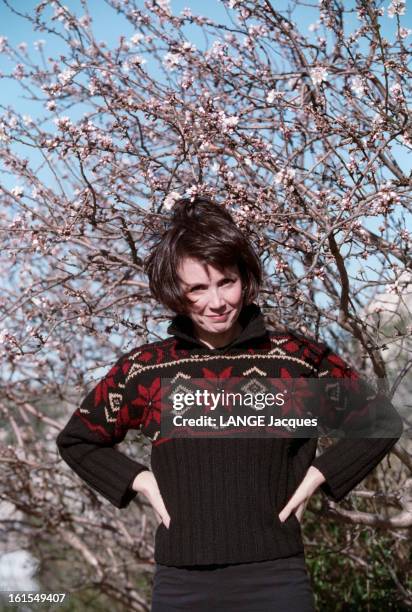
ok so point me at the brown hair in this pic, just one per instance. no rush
(202, 230)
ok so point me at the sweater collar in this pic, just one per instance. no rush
(250, 318)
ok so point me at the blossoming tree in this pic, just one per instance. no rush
(298, 120)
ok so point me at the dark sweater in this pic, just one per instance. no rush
(223, 494)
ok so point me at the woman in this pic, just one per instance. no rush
(230, 508)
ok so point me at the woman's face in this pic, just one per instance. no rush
(216, 296)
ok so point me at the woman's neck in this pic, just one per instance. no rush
(218, 340)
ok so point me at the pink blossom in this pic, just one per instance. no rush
(4, 137)
(3, 43)
(85, 20)
(396, 7)
(18, 72)
(164, 5)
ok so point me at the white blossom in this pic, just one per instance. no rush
(170, 199)
(396, 7)
(406, 140)
(165, 5)
(62, 122)
(270, 98)
(217, 50)
(193, 191)
(171, 60)
(17, 191)
(188, 46)
(136, 38)
(186, 12)
(39, 44)
(404, 32)
(358, 86)
(18, 72)
(60, 12)
(4, 137)
(257, 30)
(136, 60)
(396, 91)
(229, 122)
(377, 119)
(27, 120)
(318, 74)
(85, 20)
(66, 76)
(286, 175)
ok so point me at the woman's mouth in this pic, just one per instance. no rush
(221, 317)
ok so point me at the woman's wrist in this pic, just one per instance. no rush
(142, 482)
(314, 477)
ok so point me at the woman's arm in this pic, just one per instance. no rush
(347, 462)
(87, 442)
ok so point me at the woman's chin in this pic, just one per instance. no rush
(217, 329)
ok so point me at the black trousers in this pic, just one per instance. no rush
(278, 585)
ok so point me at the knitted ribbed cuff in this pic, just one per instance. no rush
(107, 470)
(348, 462)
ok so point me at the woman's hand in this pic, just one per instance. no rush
(303, 493)
(146, 483)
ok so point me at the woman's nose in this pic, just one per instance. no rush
(216, 299)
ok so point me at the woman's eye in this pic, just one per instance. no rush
(225, 281)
